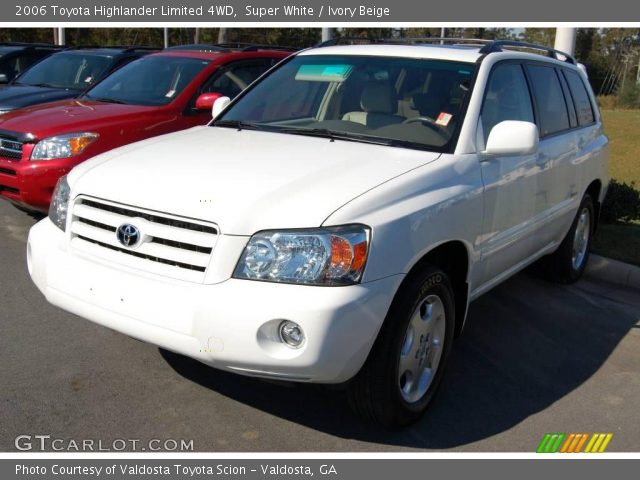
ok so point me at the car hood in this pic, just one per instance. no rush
(13, 97)
(244, 181)
(67, 116)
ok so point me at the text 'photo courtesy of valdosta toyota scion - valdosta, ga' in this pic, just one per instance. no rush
(202, 12)
(177, 469)
(356, 197)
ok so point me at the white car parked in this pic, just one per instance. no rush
(334, 221)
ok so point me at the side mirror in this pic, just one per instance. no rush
(205, 101)
(3, 78)
(219, 105)
(511, 138)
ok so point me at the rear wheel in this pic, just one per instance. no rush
(567, 264)
(406, 364)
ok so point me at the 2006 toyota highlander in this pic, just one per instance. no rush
(334, 221)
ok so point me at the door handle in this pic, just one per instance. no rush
(542, 159)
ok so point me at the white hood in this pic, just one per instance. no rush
(244, 181)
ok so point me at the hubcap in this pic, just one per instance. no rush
(421, 349)
(581, 239)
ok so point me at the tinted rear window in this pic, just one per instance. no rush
(584, 109)
(552, 108)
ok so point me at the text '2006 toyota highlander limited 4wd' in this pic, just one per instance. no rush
(333, 222)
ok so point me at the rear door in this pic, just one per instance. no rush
(557, 183)
(589, 138)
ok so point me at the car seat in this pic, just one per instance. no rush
(379, 105)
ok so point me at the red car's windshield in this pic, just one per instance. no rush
(150, 81)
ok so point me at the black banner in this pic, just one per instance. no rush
(343, 11)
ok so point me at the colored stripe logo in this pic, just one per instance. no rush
(574, 443)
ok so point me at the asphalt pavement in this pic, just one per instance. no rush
(534, 358)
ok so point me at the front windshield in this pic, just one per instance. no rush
(74, 71)
(150, 81)
(415, 103)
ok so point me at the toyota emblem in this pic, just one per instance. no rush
(128, 235)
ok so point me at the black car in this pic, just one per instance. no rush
(65, 74)
(16, 57)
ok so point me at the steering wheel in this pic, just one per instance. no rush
(428, 121)
(422, 118)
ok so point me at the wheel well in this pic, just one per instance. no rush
(593, 190)
(453, 258)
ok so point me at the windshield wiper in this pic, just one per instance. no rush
(239, 124)
(356, 137)
(334, 135)
(105, 100)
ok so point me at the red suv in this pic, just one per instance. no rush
(157, 94)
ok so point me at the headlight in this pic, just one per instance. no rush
(62, 146)
(323, 256)
(60, 203)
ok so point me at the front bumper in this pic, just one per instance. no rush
(30, 183)
(231, 325)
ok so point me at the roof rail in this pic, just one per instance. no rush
(471, 42)
(486, 46)
(497, 46)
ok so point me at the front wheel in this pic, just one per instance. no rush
(406, 364)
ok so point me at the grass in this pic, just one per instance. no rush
(621, 241)
(623, 130)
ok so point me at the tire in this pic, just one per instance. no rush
(567, 264)
(381, 393)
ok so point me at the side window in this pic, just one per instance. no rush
(506, 98)
(230, 80)
(549, 98)
(573, 120)
(580, 97)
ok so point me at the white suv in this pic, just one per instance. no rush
(334, 221)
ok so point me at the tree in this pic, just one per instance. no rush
(540, 36)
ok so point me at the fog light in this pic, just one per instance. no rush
(291, 333)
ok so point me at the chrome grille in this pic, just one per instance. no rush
(173, 246)
(10, 149)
